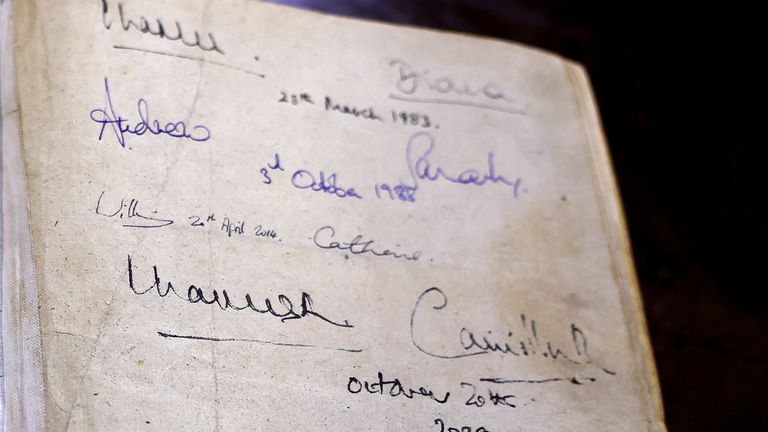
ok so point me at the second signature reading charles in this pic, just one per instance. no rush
(285, 312)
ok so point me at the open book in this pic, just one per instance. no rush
(237, 216)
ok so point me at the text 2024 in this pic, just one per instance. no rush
(441, 424)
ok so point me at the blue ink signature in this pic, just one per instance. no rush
(422, 169)
(120, 126)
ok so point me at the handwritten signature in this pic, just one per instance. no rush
(357, 246)
(424, 87)
(286, 310)
(160, 29)
(526, 343)
(421, 169)
(129, 212)
(121, 127)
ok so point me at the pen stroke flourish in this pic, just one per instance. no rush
(121, 127)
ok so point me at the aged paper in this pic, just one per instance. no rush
(247, 217)
(22, 378)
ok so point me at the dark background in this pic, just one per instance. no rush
(678, 95)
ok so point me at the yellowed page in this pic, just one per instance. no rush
(247, 217)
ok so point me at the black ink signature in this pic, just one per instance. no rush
(224, 302)
(527, 343)
(130, 213)
(144, 25)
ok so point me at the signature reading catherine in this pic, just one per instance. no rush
(121, 127)
(357, 246)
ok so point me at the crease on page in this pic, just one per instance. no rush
(613, 219)
(23, 407)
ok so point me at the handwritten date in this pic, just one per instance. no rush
(441, 424)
